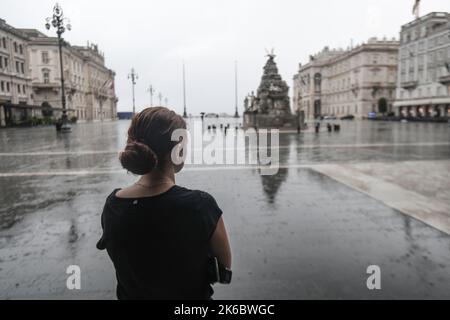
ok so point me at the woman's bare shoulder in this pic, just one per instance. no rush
(135, 191)
(128, 192)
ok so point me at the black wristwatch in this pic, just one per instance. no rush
(217, 272)
(224, 275)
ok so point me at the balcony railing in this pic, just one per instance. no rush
(445, 79)
(45, 85)
(409, 84)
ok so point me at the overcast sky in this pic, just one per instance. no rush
(155, 36)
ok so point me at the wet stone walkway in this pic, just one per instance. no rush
(308, 232)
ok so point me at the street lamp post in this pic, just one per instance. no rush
(133, 76)
(151, 90)
(202, 116)
(166, 102)
(160, 96)
(60, 23)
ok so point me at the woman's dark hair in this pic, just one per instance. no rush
(149, 143)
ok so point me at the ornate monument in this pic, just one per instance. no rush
(270, 108)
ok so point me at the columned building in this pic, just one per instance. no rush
(30, 79)
(347, 82)
(308, 84)
(89, 84)
(423, 81)
(100, 97)
(15, 85)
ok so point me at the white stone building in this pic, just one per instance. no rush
(15, 84)
(347, 82)
(100, 98)
(89, 84)
(423, 83)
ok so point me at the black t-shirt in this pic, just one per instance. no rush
(159, 245)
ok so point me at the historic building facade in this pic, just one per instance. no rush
(89, 84)
(15, 80)
(347, 82)
(423, 82)
(30, 78)
(100, 97)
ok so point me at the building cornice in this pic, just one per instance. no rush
(53, 42)
(81, 52)
(428, 17)
(10, 29)
(379, 46)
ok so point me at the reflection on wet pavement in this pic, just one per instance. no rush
(297, 234)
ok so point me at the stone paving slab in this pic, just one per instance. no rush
(409, 187)
(299, 234)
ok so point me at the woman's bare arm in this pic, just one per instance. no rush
(220, 245)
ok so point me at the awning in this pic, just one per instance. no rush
(422, 102)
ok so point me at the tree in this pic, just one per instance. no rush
(47, 110)
(382, 105)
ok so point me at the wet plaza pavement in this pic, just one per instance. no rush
(304, 233)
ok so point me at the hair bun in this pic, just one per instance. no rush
(138, 158)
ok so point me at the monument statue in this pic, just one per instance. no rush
(271, 106)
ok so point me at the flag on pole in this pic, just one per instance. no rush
(109, 84)
(416, 8)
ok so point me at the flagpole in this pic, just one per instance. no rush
(184, 93)
(236, 114)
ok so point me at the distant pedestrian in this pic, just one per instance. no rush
(58, 124)
(317, 127)
(165, 241)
